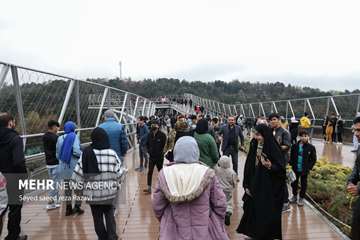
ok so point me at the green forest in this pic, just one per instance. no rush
(227, 92)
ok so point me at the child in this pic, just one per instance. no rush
(302, 160)
(227, 179)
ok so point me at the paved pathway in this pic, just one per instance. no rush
(136, 219)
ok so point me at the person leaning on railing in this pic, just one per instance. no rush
(353, 187)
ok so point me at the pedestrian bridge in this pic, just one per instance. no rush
(35, 97)
(135, 219)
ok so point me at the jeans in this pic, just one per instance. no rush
(295, 185)
(233, 152)
(229, 202)
(99, 212)
(54, 175)
(69, 192)
(152, 163)
(143, 155)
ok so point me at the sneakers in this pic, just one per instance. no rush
(300, 202)
(52, 205)
(139, 169)
(78, 210)
(71, 211)
(293, 200)
(227, 219)
(286, 207)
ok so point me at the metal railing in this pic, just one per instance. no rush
(35, 96)
(346, 106)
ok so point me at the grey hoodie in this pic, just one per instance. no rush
(225, 174)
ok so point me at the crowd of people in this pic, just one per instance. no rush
(201, 154)
(196, 157)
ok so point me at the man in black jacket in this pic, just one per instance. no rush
(12, 165)
(302, 160)
(52, 163)
(353, 187)
(233, 139)
(155, 145)
(283, 138)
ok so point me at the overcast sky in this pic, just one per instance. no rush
(308, 43)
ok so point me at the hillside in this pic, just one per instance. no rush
(227, 92)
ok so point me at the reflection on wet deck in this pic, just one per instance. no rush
(335, 153)
(136, 219)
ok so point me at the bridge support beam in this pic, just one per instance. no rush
(123, 107)
(77, 104)
(66, 101)
(101, 106)
(143, 108)
(19, 102)
(3, 74)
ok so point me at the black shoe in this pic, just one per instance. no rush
(69, 211)
(78, 210)
(227, 219)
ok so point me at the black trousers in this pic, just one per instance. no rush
(234, 153)
(104, 230)
(158, 162)
(355, 230)
(295, 184)
(14, 206)
(339, 137)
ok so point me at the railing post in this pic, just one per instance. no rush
(311, 109)
(3, 74)
(101, 106)
(136, 104)
(333, 103)
(327, 107)
(236, 112)
(262, 109)
(219, 107)
(19, 102)
(143, 109)
(66, 101)
(148, 109)
(276, 110)
(358, 105)
(77, 104)
(291, 108)
(252, 110)
(243, 110)
(287, 110)
(123, 107)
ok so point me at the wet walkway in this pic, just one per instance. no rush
(335, 153)
(136, 219)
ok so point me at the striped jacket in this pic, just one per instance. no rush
(104, 186)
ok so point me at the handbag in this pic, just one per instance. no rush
(291, 176)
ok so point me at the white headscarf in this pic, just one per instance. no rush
(184, 179)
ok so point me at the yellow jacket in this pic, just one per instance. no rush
(305, 122)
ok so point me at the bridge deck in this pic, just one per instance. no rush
(136, 220)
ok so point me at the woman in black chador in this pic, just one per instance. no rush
(264, 183)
